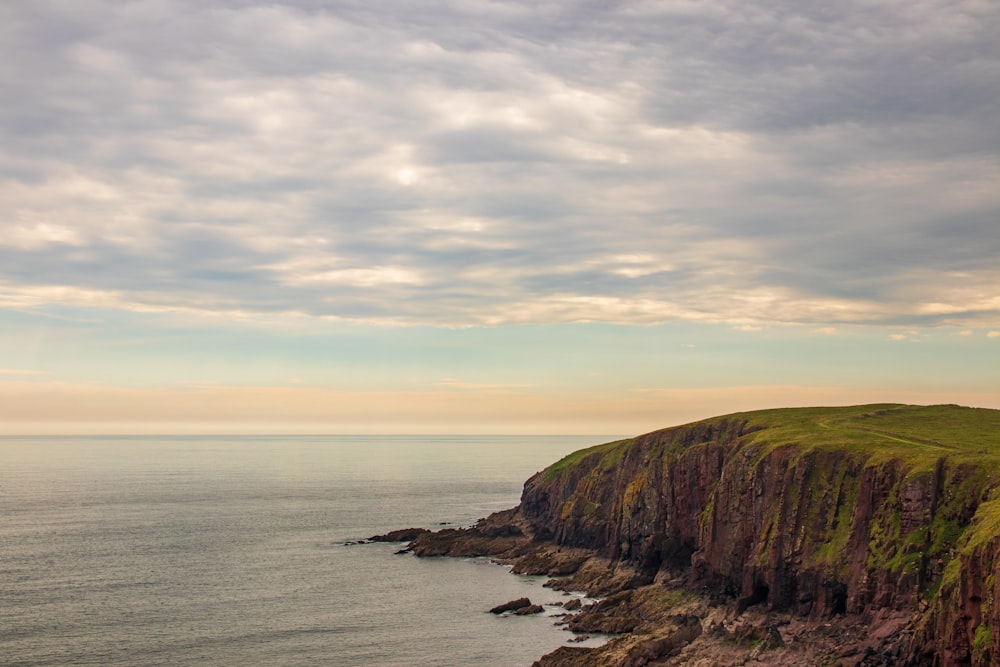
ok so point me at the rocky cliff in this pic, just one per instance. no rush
(874, 514)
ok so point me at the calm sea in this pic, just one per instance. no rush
(233, 551)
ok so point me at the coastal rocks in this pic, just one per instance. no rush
(640, 610)
(600, 577)
(530, 610)
(513, 605)
(518, 607)
(401, 535)
(551, 561)
(682, 631)
(497, 535)
(879, 553)
(754, 639)
(672, 634)
(567, 656)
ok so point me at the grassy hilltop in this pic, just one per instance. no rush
(917, 434)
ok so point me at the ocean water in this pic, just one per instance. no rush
(234, 551)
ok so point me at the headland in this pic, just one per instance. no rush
(864, 535)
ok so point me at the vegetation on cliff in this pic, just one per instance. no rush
(879, 513)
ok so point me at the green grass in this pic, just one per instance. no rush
(986, 523)
(983, 640)
(916, 435)
(611, 454)
(837, 534)
(949, 426)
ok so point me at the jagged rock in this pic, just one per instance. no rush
(564, 656)
(768, 638)
(772, 638)
(554, 562)
(401, 535)
(745, 633)
(717, 629)
(572, 604)
(513, 605)
(529, 610)
(497, 535)
(685, 630)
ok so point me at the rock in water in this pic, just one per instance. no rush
(529, 610)
(402, 535)
(513, 605)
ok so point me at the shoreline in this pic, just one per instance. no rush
(661, 622)
(842, 536)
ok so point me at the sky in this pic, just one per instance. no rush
(433, 216)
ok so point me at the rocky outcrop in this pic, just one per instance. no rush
(820, 514)
(530, 610)
(513, 605)
(498, 534)
(401, 535)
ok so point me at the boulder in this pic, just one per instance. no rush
(529, 610)
(513, 605)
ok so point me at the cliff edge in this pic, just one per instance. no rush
(880, 521)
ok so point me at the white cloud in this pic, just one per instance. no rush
(41, 234)
(489, 163)
(367, 277)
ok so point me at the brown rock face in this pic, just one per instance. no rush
(961, 627)
(513, 605)
(497, 534)
(820, 532)
(894, 542)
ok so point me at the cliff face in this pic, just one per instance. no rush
(965, 616)
(821, 513)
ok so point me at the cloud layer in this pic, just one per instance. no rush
(491, 163)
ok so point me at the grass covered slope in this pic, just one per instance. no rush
(920, 434)
(816, 511)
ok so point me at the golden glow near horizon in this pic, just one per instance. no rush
(27, 408)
